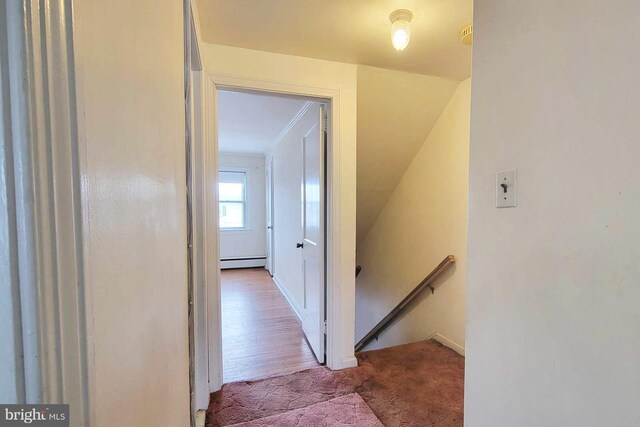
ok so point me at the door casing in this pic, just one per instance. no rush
(335, 310)
(270, 231)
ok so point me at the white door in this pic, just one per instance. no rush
(312, 245)
(269, 181)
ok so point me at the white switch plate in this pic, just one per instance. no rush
(506, 199)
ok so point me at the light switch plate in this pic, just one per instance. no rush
(506, 189)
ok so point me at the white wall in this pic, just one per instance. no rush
(249, 243)
(424, 220)
(552, 332)
(129, 60)
(398, 107)
(333, 79)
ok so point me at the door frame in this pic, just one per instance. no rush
(268, 169)
(334, 247)
(42, 164)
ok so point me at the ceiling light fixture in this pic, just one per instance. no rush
(400, 28)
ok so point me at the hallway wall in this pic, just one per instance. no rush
(424, 220)
(398, 107)
(129, 65)
(552, 330)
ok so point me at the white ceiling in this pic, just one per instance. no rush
(251, 122)
(352, 31)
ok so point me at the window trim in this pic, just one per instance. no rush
(245, 202)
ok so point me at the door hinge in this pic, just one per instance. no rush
(325, 327)
(324, 117)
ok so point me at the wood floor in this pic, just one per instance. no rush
(261, 335)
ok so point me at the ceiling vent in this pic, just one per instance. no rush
(466, 34)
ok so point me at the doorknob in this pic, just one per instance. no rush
(299, 245)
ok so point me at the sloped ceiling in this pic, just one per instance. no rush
(396, 112)
(352, 31)
(400, 94)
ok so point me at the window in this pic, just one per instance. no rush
(233, 194)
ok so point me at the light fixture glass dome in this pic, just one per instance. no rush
(400, 34)
(400, 28)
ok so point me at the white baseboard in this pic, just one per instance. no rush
(242, 263)
(348, 362)
(200, 418)
(292, 302)
(448, 343)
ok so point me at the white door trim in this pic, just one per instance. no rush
(212, 236)
(51, 256)
(269, 186)
(336, 309)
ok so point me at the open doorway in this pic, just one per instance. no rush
(338, 105)
(271, 206)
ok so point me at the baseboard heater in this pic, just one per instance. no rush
(243, 262)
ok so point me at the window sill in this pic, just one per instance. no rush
(235, 230)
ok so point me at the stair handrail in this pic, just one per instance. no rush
(426, 283)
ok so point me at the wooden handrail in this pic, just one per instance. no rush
(426, 283)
